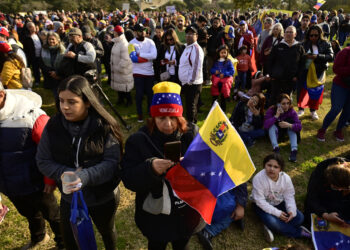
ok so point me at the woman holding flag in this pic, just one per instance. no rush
(161, 216)
(311, 86)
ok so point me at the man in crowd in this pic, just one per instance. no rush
(80, 55)
(32, 48)
(285, 64)
(180, 29)
(191, 73)
(87, 36)
(301, 31)
(21, 124)
(142, 52)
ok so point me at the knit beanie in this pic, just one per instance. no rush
(166, 100)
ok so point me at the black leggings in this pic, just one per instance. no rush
(103, 217)
(181, 244)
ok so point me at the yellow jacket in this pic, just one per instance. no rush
(11, 74)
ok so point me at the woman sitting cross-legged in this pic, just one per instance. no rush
(273, 196)
(282, 118)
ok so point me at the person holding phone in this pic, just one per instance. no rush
(144, 167)
(280, 119)
(273, 196)
(328, 192)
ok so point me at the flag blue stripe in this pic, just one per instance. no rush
(166, 98)
(207, 167)
(328, 240)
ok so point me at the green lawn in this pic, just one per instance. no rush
(14, 232)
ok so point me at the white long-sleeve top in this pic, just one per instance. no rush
(268, 193)
(191, 65)
(146, 49)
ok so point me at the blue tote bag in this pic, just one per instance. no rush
(81, 223)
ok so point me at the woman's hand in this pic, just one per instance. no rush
(334, 217)
(284, 217)
(160, 166)
(75, 186)
(290, 217)
(285, 125)
(267, 51)
(279, 111)
(238, 213)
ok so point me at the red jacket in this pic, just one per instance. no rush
(244, 63)
(341, 67)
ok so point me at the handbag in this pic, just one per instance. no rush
(26, 78)
(166, 75)
(161, 205)
(81, 223)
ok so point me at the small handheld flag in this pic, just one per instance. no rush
(319, 4)
(215, 162)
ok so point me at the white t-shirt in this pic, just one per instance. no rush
(171, 56)
(37, 44)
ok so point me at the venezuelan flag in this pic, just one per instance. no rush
(328, 235)
(215, 162)
(319, 4)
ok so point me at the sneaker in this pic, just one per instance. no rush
(35, 245)
(276, 150)
(321, 134)
(339, 135)
(139, 118)
(293, 155)
(207, 83)
(301, 112)
(205, 239)
(268, 234)
(314, 116)
(305, 232)
(3, 212)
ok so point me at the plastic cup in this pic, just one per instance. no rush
(67, 178)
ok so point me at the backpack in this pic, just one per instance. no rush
(26, 78)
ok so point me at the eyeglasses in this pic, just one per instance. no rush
(170, 39)
(339, 188)
(314, 35)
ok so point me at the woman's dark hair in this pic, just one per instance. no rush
(261, 104)
(319, 31)
(338, 174)
(181, 124)
(276, 157)
(80, 86)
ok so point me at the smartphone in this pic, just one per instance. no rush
(279, 106)
(172, 151)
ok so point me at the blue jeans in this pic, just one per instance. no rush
(273, 132)
(342, 37)
(251, 136)
(340, 101)
(242, 79)
(225, 205)
(143, 86)
(290, 229)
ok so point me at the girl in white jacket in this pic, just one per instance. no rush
(273, 194)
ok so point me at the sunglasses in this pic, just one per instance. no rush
(170, 39)
(314, 35)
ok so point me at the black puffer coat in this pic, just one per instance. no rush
(137, 175)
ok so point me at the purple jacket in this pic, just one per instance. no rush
(290, 116)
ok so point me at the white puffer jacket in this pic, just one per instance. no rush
(121, 66)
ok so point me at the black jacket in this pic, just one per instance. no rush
(137, 175)
(286, 62)
(212, 41)
(158, 68)
(238, 117)
(325, 54)
(321, 198)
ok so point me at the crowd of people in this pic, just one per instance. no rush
(256, 59)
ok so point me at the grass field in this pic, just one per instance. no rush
(14, 231)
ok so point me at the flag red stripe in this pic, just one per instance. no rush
(195, 194)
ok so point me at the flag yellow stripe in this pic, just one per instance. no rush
(232, 150)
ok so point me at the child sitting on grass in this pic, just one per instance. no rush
(273, 196)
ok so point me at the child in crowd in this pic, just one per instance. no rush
(280, 119)
(222, 76)
(273, 196)
(3, 210)
(244, 64)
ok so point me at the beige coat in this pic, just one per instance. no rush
(121, 66)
